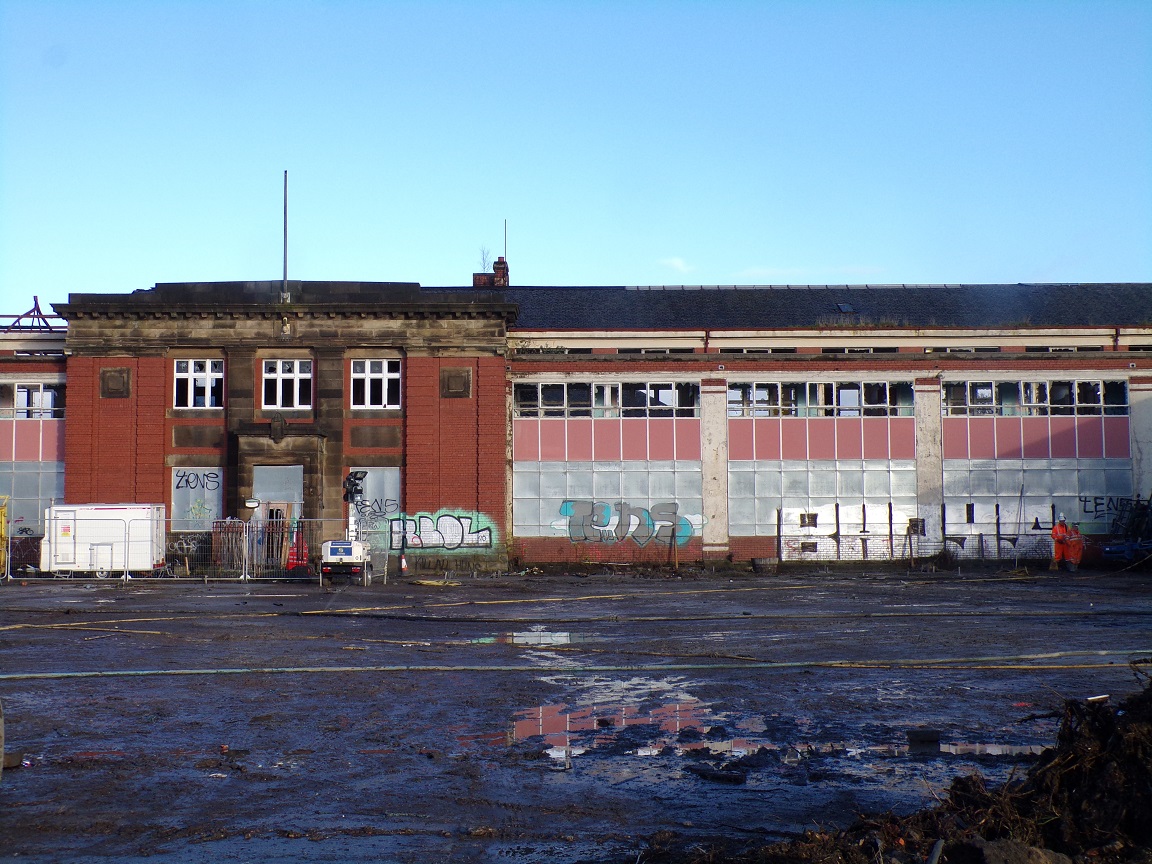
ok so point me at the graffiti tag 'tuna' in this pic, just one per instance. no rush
(601, 522)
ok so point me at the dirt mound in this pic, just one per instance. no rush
(1089, 798)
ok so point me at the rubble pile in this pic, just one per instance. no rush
(1087, 799)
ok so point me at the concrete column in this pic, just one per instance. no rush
(929, 457)
(714, 465)
(326, 487)
(241, 386)
(1140, 430)
(240, 400)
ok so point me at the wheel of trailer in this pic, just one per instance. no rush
(366, 577)
(101, 574)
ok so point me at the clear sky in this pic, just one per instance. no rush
(625, 143)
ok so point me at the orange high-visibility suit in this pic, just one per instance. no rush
(1074, 546)
(1060, 542)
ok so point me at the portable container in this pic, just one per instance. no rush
(103, 539)
(351, 558)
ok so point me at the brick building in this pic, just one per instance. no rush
(32, 405)
(825, 422)
(618, 423)
(207, 396)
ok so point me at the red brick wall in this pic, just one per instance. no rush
(455, 448)
(560, 550)
(746, 548)
(114, 448)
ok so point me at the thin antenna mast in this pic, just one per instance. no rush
(284, 283)
(505, 239)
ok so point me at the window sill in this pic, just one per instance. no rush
(374, 413)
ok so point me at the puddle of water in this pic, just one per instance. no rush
(640, 689)
(993, 749)
(535, 638)
(684, 726)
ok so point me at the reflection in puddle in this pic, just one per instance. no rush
(676, 728)
(536, 638)
(993, 749)
(570, 730)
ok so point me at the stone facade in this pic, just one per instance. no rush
(447, 435)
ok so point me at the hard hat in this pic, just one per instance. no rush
(1062, 519)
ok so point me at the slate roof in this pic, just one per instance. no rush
(777, 307)
(666, 308)
(407, 295)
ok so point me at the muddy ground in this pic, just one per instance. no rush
(530, 717)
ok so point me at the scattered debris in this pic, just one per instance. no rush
(717, 775)
(1086, 799)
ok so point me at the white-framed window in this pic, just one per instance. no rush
(1034, 398)
(820, 399)
(287, 384)
(37, 401)
(660, 399)
(375, 383)
(197, 499)
(586, 399)
(199, 384)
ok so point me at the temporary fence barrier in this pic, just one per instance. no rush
(226, 549)
(917, 542)
(275, 549)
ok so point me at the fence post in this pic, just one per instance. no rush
(779, 536)
(127, 547)
(246, 556)
(836, 509)
(997, 531)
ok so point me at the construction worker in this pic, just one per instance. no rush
(1059, 543)
(1074, 546)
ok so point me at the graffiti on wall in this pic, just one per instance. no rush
(196, 478)
(372, 513)
(445, 530)
(1099, 507)
(197, 496)
(601, 522)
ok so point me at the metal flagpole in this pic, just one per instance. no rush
(284, 284)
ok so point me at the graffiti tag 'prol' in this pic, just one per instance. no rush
(441, 531)
(601, 522)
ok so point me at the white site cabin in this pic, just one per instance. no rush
(103, 539)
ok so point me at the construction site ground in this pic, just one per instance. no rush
(561, 716)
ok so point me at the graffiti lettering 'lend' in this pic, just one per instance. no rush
(601, 522)
(443, 531)
(1101, 507)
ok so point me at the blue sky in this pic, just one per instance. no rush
(624, 142)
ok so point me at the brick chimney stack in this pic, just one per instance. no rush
(500, 273)
(498, 278)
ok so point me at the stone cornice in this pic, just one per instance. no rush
(335, 312)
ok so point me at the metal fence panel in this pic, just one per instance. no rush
(969, 542)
